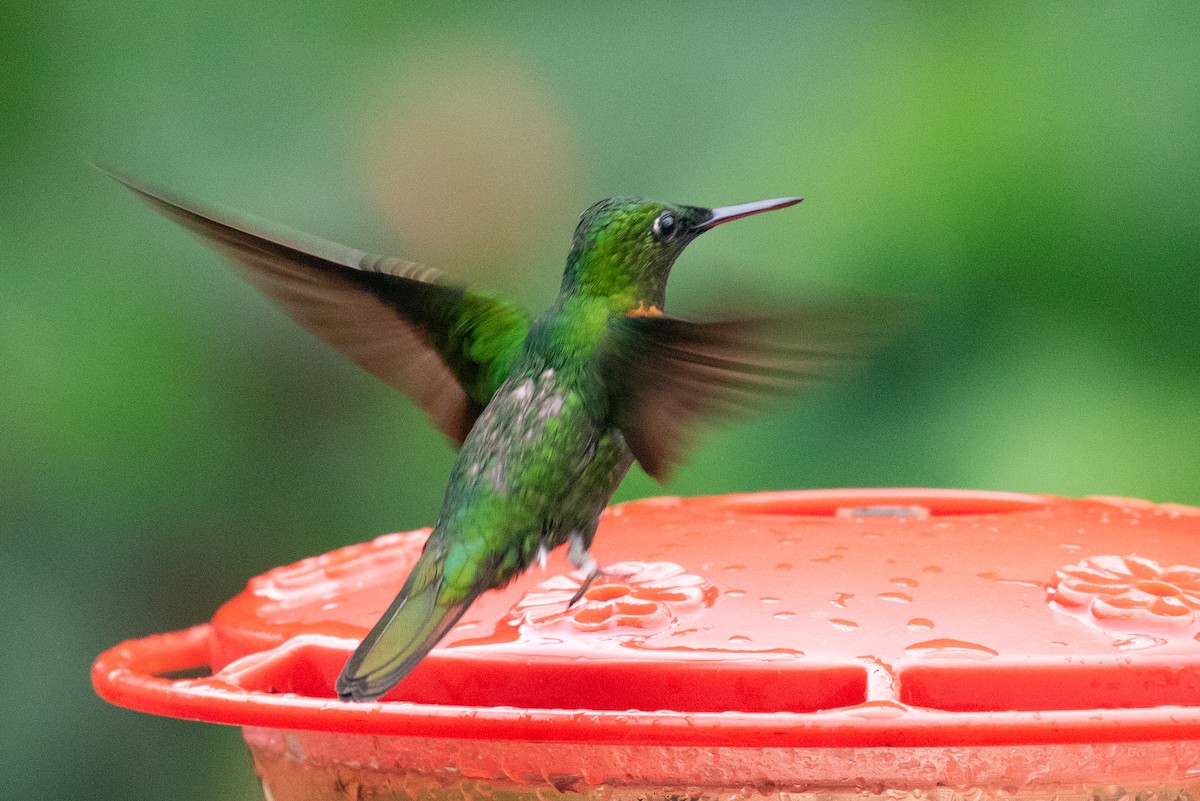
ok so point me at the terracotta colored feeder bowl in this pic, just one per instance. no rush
(796, 645)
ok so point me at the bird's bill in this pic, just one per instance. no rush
(726, 213)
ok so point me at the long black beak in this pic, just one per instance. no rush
(727, 213)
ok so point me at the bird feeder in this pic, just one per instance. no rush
(795, 645)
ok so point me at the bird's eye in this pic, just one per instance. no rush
(665, 226)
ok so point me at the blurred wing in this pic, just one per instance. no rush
(664, 376)
(448, 349)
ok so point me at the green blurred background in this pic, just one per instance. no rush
(1029, 172)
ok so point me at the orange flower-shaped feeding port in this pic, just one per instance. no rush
(632, 595)
(1129, 589)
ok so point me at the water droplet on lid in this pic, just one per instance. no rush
(948, 648)
(902, 581)
(841, 598)
(843, 625)
(769, 599)
(1138, 642)
(993, 576)
(787, 615)
(895, 597)
(920, 624)
(931, 569)
(735, 593)
(739, 638)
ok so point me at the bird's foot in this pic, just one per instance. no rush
(594, 572)
(579, 556)
(588, 580)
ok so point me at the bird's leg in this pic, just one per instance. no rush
(579, 555)
(588, 580)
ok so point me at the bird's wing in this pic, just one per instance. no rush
(445, 347)
(663, 376)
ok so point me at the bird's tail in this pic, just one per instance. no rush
(408, 630)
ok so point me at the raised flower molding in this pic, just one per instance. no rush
(1129, 589)
(631, 595)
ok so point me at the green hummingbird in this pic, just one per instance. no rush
(549, 411)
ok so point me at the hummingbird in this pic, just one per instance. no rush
(548, 412)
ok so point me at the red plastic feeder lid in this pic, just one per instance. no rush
(824, 618)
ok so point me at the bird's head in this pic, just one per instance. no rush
(623, 248)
